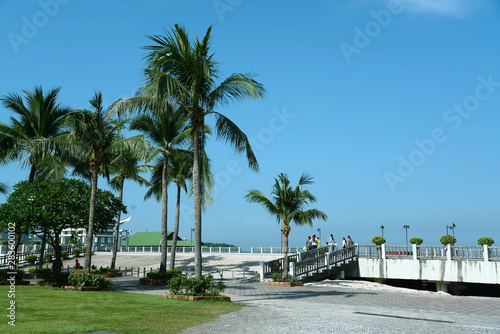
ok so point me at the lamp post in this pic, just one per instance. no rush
(382, 228)
(406, 227)
(452, 228)
(319, 233)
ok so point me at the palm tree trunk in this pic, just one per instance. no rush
(90, 232)
(176, 228)
(57, 265)
(164, 210)
(42, 250)
(117, 227)
(286, 231)
(197, 200)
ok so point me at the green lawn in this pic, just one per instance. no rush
(51, 310)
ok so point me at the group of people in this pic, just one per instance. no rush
(313, 243)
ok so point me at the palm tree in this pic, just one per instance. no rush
(164, 128)
(186, 73)
(124, 167)
(30, 137)
(95, 141)
(3, 188)
(288, 205)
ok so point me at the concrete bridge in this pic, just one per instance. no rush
(436, 264)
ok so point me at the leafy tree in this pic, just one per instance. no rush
(46, 208)
(288, 205)
(185, 73)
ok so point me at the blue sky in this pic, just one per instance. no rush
(391, 105)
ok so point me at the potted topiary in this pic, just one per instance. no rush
(76, 252)
(4, 242)
(48, 257)
(31, 258)
(64, 255)
(378, 240)
(448, 240)
(84, 250)
(416, 241)
(485, 241)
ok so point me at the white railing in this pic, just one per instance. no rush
(274, 250)
(431, 252)
(157, 249)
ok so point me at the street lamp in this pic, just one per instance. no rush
(452, 228)
(406, 227)
(319, 233)
(382, 228)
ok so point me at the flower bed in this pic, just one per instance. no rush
(79, 278)
(85, 288)
(287, 284)
(196, 298)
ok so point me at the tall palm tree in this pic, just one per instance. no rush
(3, 188)
(186, 73)
(29, 138)
(164, 128)
(124, 167)
(288, 205)
(95, 141)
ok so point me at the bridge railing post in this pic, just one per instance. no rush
(414, 246)
(485, 253)
(448, 252)
(383, 251)
(292, 268)
(261, 271)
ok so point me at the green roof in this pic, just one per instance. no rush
(153, 239)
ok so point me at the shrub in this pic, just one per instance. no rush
(36, 242)
(448, 240)
(64, 253)
(416, 241)
(486, 241)
(31, 258)
(293, 279)
(77, 251)
(79, 277)
(4, 274)
(38, 270)
(168, 275)
(5, 242)
(84, 249)
(203, 286)
(277, 277)
(378, 240)
(51, 277)
(49, 255)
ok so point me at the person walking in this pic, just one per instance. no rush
(308, 243)
(344, 243)
(350, 243)
(314, 242)
(332, 239)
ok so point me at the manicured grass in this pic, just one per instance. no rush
(51, 310)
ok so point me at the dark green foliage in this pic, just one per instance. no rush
(36, 242)
(39, 270)
(3, 274)
(5, 242)
(277, 277)
(448, 240)
(168, 275)
(416, 241)
(378, 240)
(485, 241)
(203, 286)
(293, 279)
(64, 253)
(52, 277)
(78, 277)
(49, 256)
(31, 258)
(77, 251)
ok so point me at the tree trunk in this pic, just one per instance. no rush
(57, 265)
(42, 250)
(197, 200)
(164, 210)
(285, 229)
(90, 232)
(176, 228)
(117, 227)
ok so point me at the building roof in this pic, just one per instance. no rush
(153, 239)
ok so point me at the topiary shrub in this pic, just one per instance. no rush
(448, 240)
(30, 258)
(168, 275)
(76, 252)
(78, 277)
(64, 253)
(49, 256)
(277, 277)
(4, 242)
(486, 241)
(416, 241)
(378, 240)
(203, 286)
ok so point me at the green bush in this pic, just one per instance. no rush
(168, 275)
(49, 255)
(486, 241)
(36, 242)
(77, 251)
(293, 279)
(38, 270)
(4, 276)
(203, 286)
(64, 253)
(378, 240)
(79, 277)
(31, 258)
(84, 249)
(448, 240)
(5, 242)
(416, 241)
(277, 277)
(51, 277)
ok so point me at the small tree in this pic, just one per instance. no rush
(416, 241)
(485, 241)
(378, 240)
(448, 240)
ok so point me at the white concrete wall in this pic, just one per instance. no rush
(431, 270)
